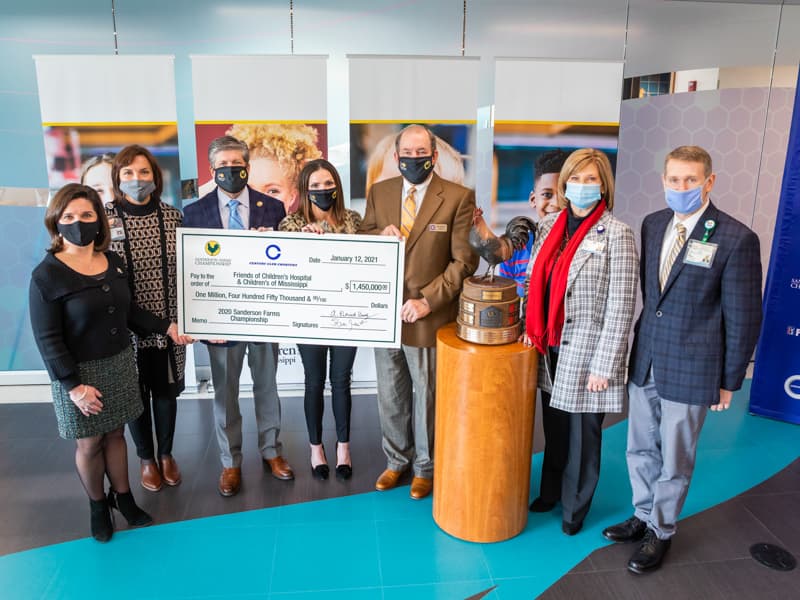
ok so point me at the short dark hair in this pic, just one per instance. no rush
(309, 169)
(690, 154)
(125, 157)
(427, 129)
(59, 203)
(227, 142)
(549, 162)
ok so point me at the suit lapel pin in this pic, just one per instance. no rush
(259, 204)
(709, 226)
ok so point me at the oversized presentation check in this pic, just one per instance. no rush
(332, 289)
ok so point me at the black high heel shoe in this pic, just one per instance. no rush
(321, 471)
(102, 527)
(343, 471)
(125, 504)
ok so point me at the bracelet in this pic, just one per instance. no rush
(83, 395)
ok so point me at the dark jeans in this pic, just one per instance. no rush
(571, 463)
(315, 362)
(157, 398)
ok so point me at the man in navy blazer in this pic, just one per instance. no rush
(235, 205)
(701, 287)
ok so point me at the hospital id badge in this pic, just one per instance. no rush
(700, 254)
(117, 230)
(593, 246)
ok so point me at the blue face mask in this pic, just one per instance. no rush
(583, 195)
(684, 202)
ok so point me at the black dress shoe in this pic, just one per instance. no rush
(631, 530)
(571, 528)
(320, 471)
(344, 472)
(541, 506)
(649, 554)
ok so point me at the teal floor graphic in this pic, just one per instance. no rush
(380, 545)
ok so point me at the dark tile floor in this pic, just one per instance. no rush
(709, 557)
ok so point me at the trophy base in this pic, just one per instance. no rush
(489, 337)
(488, 311)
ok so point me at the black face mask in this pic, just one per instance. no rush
(415, 168)
(231, 179)
(78, 232)
(323, 199)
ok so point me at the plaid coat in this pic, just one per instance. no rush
(598, 312)
(700, 332)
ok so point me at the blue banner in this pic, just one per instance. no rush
(775, 391)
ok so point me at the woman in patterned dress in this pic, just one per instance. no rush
(143, 235)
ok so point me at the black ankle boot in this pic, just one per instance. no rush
(125, 504)
(102, 528)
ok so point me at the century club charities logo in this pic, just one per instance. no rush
(794, 283)
(792, 331)
(213, 247)
(792, 387)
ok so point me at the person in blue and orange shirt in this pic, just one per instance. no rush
(543, 199)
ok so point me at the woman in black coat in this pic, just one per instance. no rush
(81, 309)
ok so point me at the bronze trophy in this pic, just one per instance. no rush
(489, 306)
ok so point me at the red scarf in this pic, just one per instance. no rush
(550, 261)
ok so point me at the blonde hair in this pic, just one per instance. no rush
(577, 161)
(290, 145)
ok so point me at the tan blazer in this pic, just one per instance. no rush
(438, 256)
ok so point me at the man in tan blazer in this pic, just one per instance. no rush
(434, 216)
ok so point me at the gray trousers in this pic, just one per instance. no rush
(406, 402)
(662, 446)
(226, 367)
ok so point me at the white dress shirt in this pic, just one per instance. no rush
(244, 206)
(421, 188)
(672, 233)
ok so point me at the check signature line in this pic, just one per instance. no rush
(350, 328)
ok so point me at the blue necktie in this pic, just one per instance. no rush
(234, 220)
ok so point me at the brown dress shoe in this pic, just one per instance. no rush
(170, 472)
(280, 468)
(151, 478)
(387, 480)
(421, 487)
(230, 481)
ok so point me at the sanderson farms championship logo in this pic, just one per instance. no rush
(213, 247)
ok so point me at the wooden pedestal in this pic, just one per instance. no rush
(485, 399)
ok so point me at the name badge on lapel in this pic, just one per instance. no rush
(700, 254)
(438, 227)
(593, 246)
(117, 230)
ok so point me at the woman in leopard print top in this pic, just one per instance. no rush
(322, 210)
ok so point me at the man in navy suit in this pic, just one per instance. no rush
(701, 287)
(235, 205)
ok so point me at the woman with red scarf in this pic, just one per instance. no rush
(578, 308)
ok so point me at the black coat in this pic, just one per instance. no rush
(78, 318)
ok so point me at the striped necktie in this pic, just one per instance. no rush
(409, 212)
(674, 250)
(234, 220)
